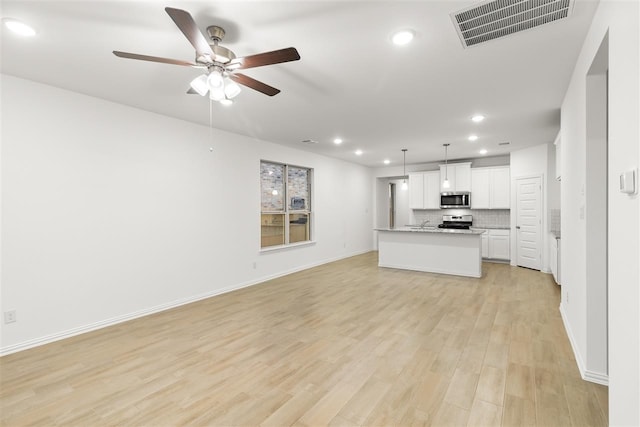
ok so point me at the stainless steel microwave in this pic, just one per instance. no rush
(455, 199)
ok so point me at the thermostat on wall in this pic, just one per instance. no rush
(628, 182)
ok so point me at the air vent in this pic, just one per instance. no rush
(309, 141)
(504, 143)
(498, 18)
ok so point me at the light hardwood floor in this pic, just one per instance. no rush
(343, 344)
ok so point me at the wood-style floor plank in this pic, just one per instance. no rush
(343, 344)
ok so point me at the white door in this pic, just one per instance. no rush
(529, 222)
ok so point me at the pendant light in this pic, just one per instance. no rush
(445, 183)
(404, 169)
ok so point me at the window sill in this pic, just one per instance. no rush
(285, 247)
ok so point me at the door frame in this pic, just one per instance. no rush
(543, 220)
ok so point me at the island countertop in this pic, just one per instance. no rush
(430, 230)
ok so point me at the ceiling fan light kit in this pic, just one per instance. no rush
(220, 80)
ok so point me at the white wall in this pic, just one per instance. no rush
(620, 19)
(109, 212)
(528, 162)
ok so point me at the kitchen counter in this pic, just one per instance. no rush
(434, 250)
(492, 227)
(418, 229)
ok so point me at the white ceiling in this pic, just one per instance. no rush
(351, 80)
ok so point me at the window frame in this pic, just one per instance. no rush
(288, 210)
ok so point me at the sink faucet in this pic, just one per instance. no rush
(424, 223)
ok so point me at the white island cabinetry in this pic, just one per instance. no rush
(456, 252)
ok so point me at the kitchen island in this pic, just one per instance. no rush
(434, 250)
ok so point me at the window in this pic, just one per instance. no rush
(285, 205)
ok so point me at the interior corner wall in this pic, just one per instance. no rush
(620, 21)
(110, 212)
(525, 163)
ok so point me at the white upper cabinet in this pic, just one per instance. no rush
(432, 190)
(459, 175)
(500, 188)
(424, 192)
(416, 191)
(480, 188)
(490, 188)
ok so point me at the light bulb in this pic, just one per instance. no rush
(19, 28)
(216, 94)
(405, 185)
(199, 84)
(226, 101)
(215, 80)
(445, 184)
(231, 88)
(402, 38)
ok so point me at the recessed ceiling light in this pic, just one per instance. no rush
(483, 151)
(387, 161)
(401, 38)
(19, 28)
(473, 137)
(477, 118)
(337, 141)
(358, 152)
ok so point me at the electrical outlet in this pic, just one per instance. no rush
(10, 316)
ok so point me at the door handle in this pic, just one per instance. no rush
(517, 227)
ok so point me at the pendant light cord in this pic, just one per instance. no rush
(446, 163)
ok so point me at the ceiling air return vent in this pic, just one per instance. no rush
(498, 18)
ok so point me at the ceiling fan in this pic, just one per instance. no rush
(221, 79)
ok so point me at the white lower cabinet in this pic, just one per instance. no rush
(496, 244)
(499, 244)
(554, 257)
(485, 245)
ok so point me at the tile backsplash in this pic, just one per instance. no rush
(481, 217)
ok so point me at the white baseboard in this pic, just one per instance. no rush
(594, 377)
(47, 339)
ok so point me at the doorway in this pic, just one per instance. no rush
(529, 222)
(392, 205)
(596, 214)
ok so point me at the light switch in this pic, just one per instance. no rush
(628, 182)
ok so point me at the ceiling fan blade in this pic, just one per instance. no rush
(254, 84)
(188, 26)
(156, 59)
(266, 58)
